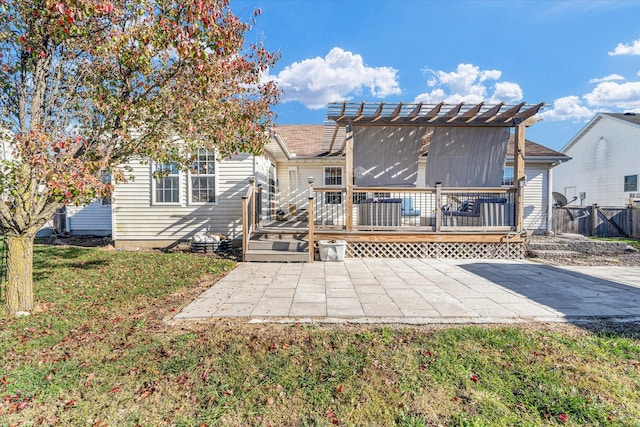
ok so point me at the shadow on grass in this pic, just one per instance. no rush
(590, 302)
(46, 260)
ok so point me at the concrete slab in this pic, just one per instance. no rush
(417, 291)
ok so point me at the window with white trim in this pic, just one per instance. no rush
(105, 179)
(507, 176)
(167, 184)
(203, 177)
(631, 183)
(333, 178)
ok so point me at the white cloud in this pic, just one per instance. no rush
(626, 49)
(468, 84)
(567, 108)
(609, 78)
(613, 94)
(315, 82)
(506, 92)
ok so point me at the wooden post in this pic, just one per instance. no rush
(310, 217)
(594, 219)
(519, 176)
(438, 206)
(252, 184)
(349, 183)
(311, 220)
(245, 228)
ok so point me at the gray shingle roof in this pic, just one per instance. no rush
(629, 117)
(312, 141)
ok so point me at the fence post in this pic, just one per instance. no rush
(310, 220)
(594, 219)
(438, 206)
(252, 184)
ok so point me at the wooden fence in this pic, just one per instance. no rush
(597, 221)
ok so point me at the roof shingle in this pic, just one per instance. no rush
(314, 140)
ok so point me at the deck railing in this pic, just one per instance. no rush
(420, 209)
(251, 213)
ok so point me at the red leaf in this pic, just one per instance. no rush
(114, 390)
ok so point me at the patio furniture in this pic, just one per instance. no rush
(486, 212)
(407, 208)
(379, 212)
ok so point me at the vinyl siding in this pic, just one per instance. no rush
(601, 158)
(536, 198)
(93, 219)
(137, 218)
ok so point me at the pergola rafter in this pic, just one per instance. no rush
(381, 114)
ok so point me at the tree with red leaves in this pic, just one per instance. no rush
(86, 85)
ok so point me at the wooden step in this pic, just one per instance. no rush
(547, 246)
(279, 245)
(539, 253)
(264, 255)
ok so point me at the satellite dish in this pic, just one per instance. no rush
(561, 202)
(560, 199)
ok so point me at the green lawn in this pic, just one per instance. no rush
(96, 353)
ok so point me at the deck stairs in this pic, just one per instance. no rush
(550, 249)
(278, 245)
(571, 245)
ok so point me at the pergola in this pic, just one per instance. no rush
(397, 115)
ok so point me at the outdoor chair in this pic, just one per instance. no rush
(478, 212)
(407, 208)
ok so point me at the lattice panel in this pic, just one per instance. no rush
(435, 250)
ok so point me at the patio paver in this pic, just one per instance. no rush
(420, 291)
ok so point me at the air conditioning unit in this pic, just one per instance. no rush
(634, 199)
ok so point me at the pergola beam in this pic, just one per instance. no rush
(488, 115)
(451, 115)
(471, 113)
(396, 113)
(413, 115)
(433, 113)
(508, 115)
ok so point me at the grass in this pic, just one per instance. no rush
(97, 353)
(629, 241)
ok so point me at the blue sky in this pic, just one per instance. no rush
(579, 57)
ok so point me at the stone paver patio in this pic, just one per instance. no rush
(420, 291)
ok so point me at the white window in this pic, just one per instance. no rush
(167, 184)
(631, 183)
(106, 179)
(203, 177)
(507, 176)
(333, 178)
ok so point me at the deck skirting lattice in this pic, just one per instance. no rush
(457, 250)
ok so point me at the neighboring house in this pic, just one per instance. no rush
(605, 162)
(93, 219)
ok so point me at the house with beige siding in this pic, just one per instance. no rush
(150, 212)
(160, 212)
(302, 152)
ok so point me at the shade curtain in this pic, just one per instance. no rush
(467, 157)
(385, 156)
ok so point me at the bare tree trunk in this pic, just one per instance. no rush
(19, 274)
